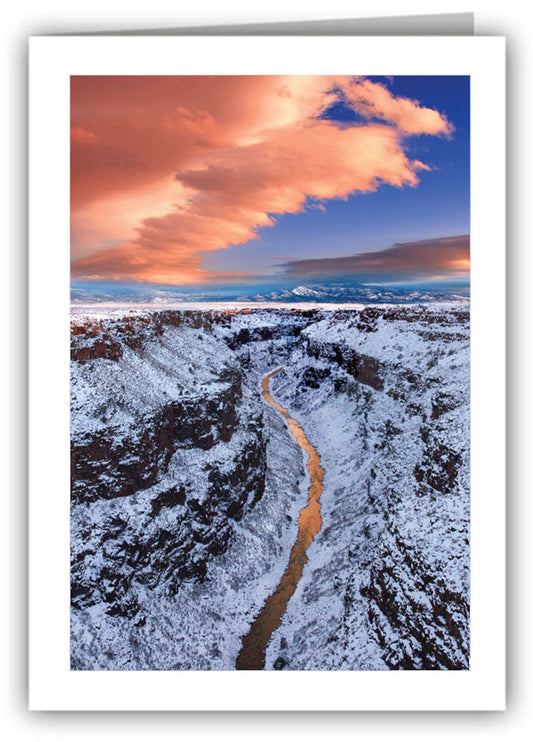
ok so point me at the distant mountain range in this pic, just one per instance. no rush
(340, 293)
(362, 294)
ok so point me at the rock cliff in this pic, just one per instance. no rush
(166, 456)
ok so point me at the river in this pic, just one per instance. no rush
(254, 644)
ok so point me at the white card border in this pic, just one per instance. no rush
(52, 684)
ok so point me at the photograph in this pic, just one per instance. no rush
(270, 372)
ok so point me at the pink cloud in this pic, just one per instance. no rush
(179, 167)
(372, 100)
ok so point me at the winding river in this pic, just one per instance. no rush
(254, 644)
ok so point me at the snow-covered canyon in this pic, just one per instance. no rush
(186, 487)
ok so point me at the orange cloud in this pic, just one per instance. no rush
(174, 167)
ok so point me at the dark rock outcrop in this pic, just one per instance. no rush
(170, 541)
(439, 466)
(110, 463)
(362, 368)
(420, 623)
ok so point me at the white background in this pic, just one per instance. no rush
(52, 685)
(33, 18)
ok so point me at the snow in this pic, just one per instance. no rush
(381, 524)
(174, 367)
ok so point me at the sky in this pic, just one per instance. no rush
(214, 179)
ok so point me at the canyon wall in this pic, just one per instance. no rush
(172, 447)
(163, 461)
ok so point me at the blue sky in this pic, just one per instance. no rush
(438, 207)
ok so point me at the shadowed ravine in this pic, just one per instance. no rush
(254, 644)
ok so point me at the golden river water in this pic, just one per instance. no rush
(254, 644)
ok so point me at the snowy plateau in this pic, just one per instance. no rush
(187, 486)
